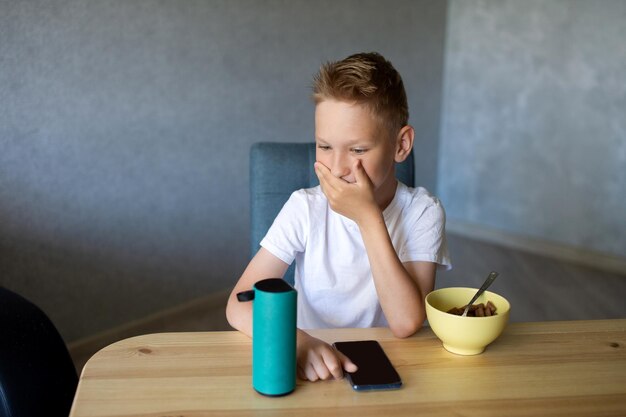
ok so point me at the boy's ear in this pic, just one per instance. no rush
(404, 143)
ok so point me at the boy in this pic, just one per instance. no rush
(366, 246)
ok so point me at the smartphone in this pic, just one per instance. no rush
(375, 371)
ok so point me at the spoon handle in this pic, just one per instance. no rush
(490, 278)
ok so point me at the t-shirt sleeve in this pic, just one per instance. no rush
(426, 237)
(287, 234)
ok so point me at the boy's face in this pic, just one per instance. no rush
(345, 132)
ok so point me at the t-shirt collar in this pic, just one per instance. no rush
(394, 203)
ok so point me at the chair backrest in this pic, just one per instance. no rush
(37, 375)
(277, 170)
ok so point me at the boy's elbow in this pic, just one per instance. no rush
(232, 316)
(407, 328)
(404, 332)
(230, 319)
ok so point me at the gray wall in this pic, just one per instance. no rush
(125, 128)
(534, 120)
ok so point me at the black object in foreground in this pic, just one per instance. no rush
(375, 371)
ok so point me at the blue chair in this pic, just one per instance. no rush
(37, 375)
(277, 170)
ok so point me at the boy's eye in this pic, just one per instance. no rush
(359, 151)
(323, 147)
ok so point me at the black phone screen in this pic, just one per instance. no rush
(375, 371)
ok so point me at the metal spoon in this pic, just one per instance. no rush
(490, 278)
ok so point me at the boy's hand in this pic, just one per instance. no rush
(318, 360)
(352, 200)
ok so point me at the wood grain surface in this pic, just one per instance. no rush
(573, 368)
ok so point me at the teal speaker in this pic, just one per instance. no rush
(273, 336)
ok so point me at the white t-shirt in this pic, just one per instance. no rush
(332, 276)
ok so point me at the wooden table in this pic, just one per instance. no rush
(573, 368)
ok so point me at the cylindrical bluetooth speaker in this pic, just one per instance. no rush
(273, 336)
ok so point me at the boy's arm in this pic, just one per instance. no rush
(316, 359)
(263, 265)
(401, 288)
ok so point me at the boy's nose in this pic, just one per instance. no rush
(341, 166)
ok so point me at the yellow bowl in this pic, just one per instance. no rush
(465, 335)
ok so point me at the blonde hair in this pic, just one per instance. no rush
(367, 79)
